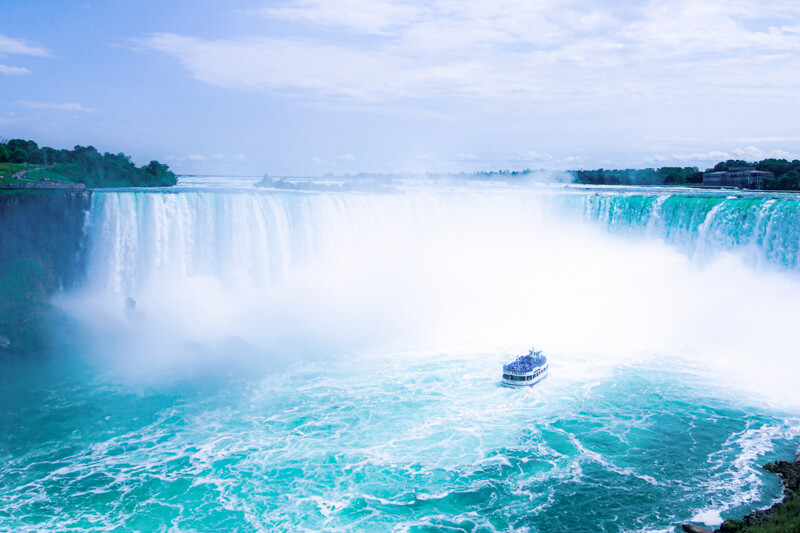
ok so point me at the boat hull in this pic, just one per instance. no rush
(525, 379)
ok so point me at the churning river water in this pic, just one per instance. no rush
(330, 361)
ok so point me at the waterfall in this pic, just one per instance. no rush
(332, 360)
(764, 229)
(258, 238)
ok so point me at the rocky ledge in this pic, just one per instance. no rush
(784, 516)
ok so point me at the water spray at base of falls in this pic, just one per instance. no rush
(457, 271)
(331, 361)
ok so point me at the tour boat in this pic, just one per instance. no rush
(526, 370)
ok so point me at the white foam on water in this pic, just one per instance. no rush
(710, 517)
(737, 479)
(372, 329)
(456, 270)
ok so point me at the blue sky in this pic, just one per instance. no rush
(309, 87)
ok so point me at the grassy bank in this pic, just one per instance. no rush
(6, 169)
(54, 173)
(82, 164)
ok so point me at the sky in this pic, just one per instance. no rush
(316, 87)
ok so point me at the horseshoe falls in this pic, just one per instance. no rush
(330, 361)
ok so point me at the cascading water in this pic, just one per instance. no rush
(258, 237)
(763, 228)
(330, 361)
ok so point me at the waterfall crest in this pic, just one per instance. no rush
(259, 238)
(610, 276)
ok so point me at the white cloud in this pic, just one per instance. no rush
(657, 53)
(258, 64)
(13, 71)
(715, 155)
(10, 46)
(530, 155)
(753, 153)
(773, 139)
(375, 16)
(63, 106)
(748, 153)
(347, 157)
(190, 159)
(204, 163)
(783, 154)
(684, 27)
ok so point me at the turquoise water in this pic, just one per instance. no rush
(331, 362)
(765, 226)
(380, 444)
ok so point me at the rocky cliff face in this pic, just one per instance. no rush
(44, 227)
(41, 251)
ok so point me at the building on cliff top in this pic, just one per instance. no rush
(745, 177)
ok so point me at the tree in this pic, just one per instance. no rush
(84, 164)
(730, 163)
(789, 181)
(156, 173)
(776, 166)
(35, 157)
(20, 144)
(52, 156)
(17, 155)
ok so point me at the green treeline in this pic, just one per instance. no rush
(84, 164)
(787, 174)
(642, 176)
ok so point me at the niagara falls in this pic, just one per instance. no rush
(400, 266)
(330, 359)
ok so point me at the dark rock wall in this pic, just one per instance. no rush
(45, 227)
(41, 252)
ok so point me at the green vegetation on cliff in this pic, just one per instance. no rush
(82, 164)
(642, 176)
(787, 174)
(7, 171)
